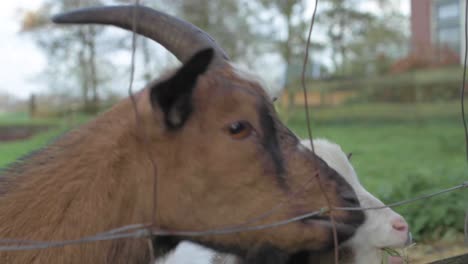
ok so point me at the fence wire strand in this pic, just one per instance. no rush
(462, 90)
(149, 230)
(462, 103)
(309, 129)
(136, 231)
(139, 129)
(304, 68)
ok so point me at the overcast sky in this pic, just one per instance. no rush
(21, 61)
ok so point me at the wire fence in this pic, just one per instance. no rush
(146, 231)
(149, 230)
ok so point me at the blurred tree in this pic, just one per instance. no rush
(383, 41)
(363, 43)
(379, 45)
(292, 43)
(71, 51)
(291, 47)
(343, 21)
(147, 55)
(230, 23)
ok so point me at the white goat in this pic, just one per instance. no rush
(382, 228)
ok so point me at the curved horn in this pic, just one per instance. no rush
(181, 38)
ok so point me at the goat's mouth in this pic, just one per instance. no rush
(353, 219)
(400, 244)
(344, 230)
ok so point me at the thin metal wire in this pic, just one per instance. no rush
(465, 227)
(141, 230)
(304, 68)
(304, 187)
(143, 233)
(136, 231)
(132, 60)
(137, 115)
(52, 244)
(139, 126)
(462, 103)
(397, 204)
(125, 229)
(226, 231)
(333, 223)
(309, 130)
(462, 90)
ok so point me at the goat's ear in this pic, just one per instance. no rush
(349, 156)
(174, 96)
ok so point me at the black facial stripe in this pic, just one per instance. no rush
(291, 134)
(270, 142)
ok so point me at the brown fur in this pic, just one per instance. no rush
(98, 177)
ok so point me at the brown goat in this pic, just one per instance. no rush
(222, 154)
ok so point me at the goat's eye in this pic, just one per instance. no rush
(239, 129)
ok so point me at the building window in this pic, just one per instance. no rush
(450, 37)
(447, 16)
(448, 10)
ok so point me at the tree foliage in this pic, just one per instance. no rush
(362, 42)
(356, 41)
(230, 23)
(71, 51)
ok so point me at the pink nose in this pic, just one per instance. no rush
(400, 225)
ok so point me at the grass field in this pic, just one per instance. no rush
(390, 142)
(399, 151)
(10, 151)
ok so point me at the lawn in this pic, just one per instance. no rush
(399, 151)
(10, 151)
(390, 142)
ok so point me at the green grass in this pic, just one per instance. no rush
(391, 141)
(23, 119)
(384, 153)
(400, 151)
(11, 151)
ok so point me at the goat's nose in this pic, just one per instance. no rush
(400, 225)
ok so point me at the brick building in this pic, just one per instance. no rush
(438, 23)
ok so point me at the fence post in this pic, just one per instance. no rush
(32, 106)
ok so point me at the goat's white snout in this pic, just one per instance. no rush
(391, 231)
(400, 228)
(399, 225)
